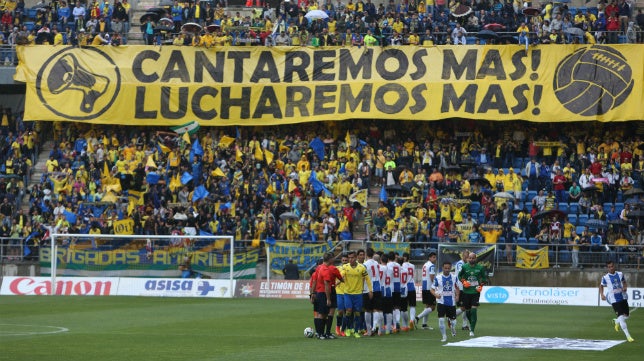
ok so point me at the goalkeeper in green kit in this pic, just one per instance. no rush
(473, 276)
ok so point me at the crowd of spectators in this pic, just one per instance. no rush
(19, 145)
(406, 22)
(269, 182)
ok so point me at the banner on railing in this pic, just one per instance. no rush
(386, 247)
(533, 259)
(304, 255)
(452, 252)
(272, 289)
(172, 85)
(138, 263)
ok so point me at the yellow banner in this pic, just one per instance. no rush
(279, 85)
(124, 226)
(536, 259)
(387, 247)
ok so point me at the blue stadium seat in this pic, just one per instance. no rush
(29, 25)
(533, 243)
(572, 10)
(517, 164)
(563, 207)
(593, 10)
(522, 241)
(471, 40)
(580, 229)
(573, 208)
(531, 195)
(572, 217)
(619, 207)
(475, 207)
(622, 39)
(583, 218)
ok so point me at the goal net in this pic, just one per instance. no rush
(103, 255)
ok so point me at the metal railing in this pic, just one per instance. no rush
(15, 250)
(560, 256)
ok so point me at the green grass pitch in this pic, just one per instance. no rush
(159, 329)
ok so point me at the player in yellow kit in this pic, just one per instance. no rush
(355, 277)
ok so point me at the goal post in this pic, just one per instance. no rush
(153, 256)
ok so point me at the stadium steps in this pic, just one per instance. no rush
(359, 228)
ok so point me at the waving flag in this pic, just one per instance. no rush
(152, 178)
(360, 197)
(317, 185)
(226, 141)
(190, 128)
(383, 194)
(269, 156)
(186, 178)
(318, 147)
(196, 149)
(200, 193)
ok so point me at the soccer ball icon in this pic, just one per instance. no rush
(308, 332)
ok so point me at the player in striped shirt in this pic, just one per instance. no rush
(373, 307)
(355, 275)
(387, 300)
(410, 270)
(461, 310)
(612, 289)
(429, 272)
(394, 271)
(404, 314)
(445, 289)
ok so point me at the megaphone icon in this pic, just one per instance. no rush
(67, 74)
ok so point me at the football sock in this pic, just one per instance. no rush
(622, 323)
(329, 324)
(466, 320)
(362, 321)
(351, 321)
(404, 319)
(319, 326)
(472, 319)
(368, 318)
(412, 313)
(441, 325)
(424, 314)
(389, 321)
(339, 320)
(396, 317)
(358, 323)
(381, 319)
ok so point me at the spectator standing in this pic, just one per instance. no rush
(291, 271)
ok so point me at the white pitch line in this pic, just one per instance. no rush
(56, 329)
